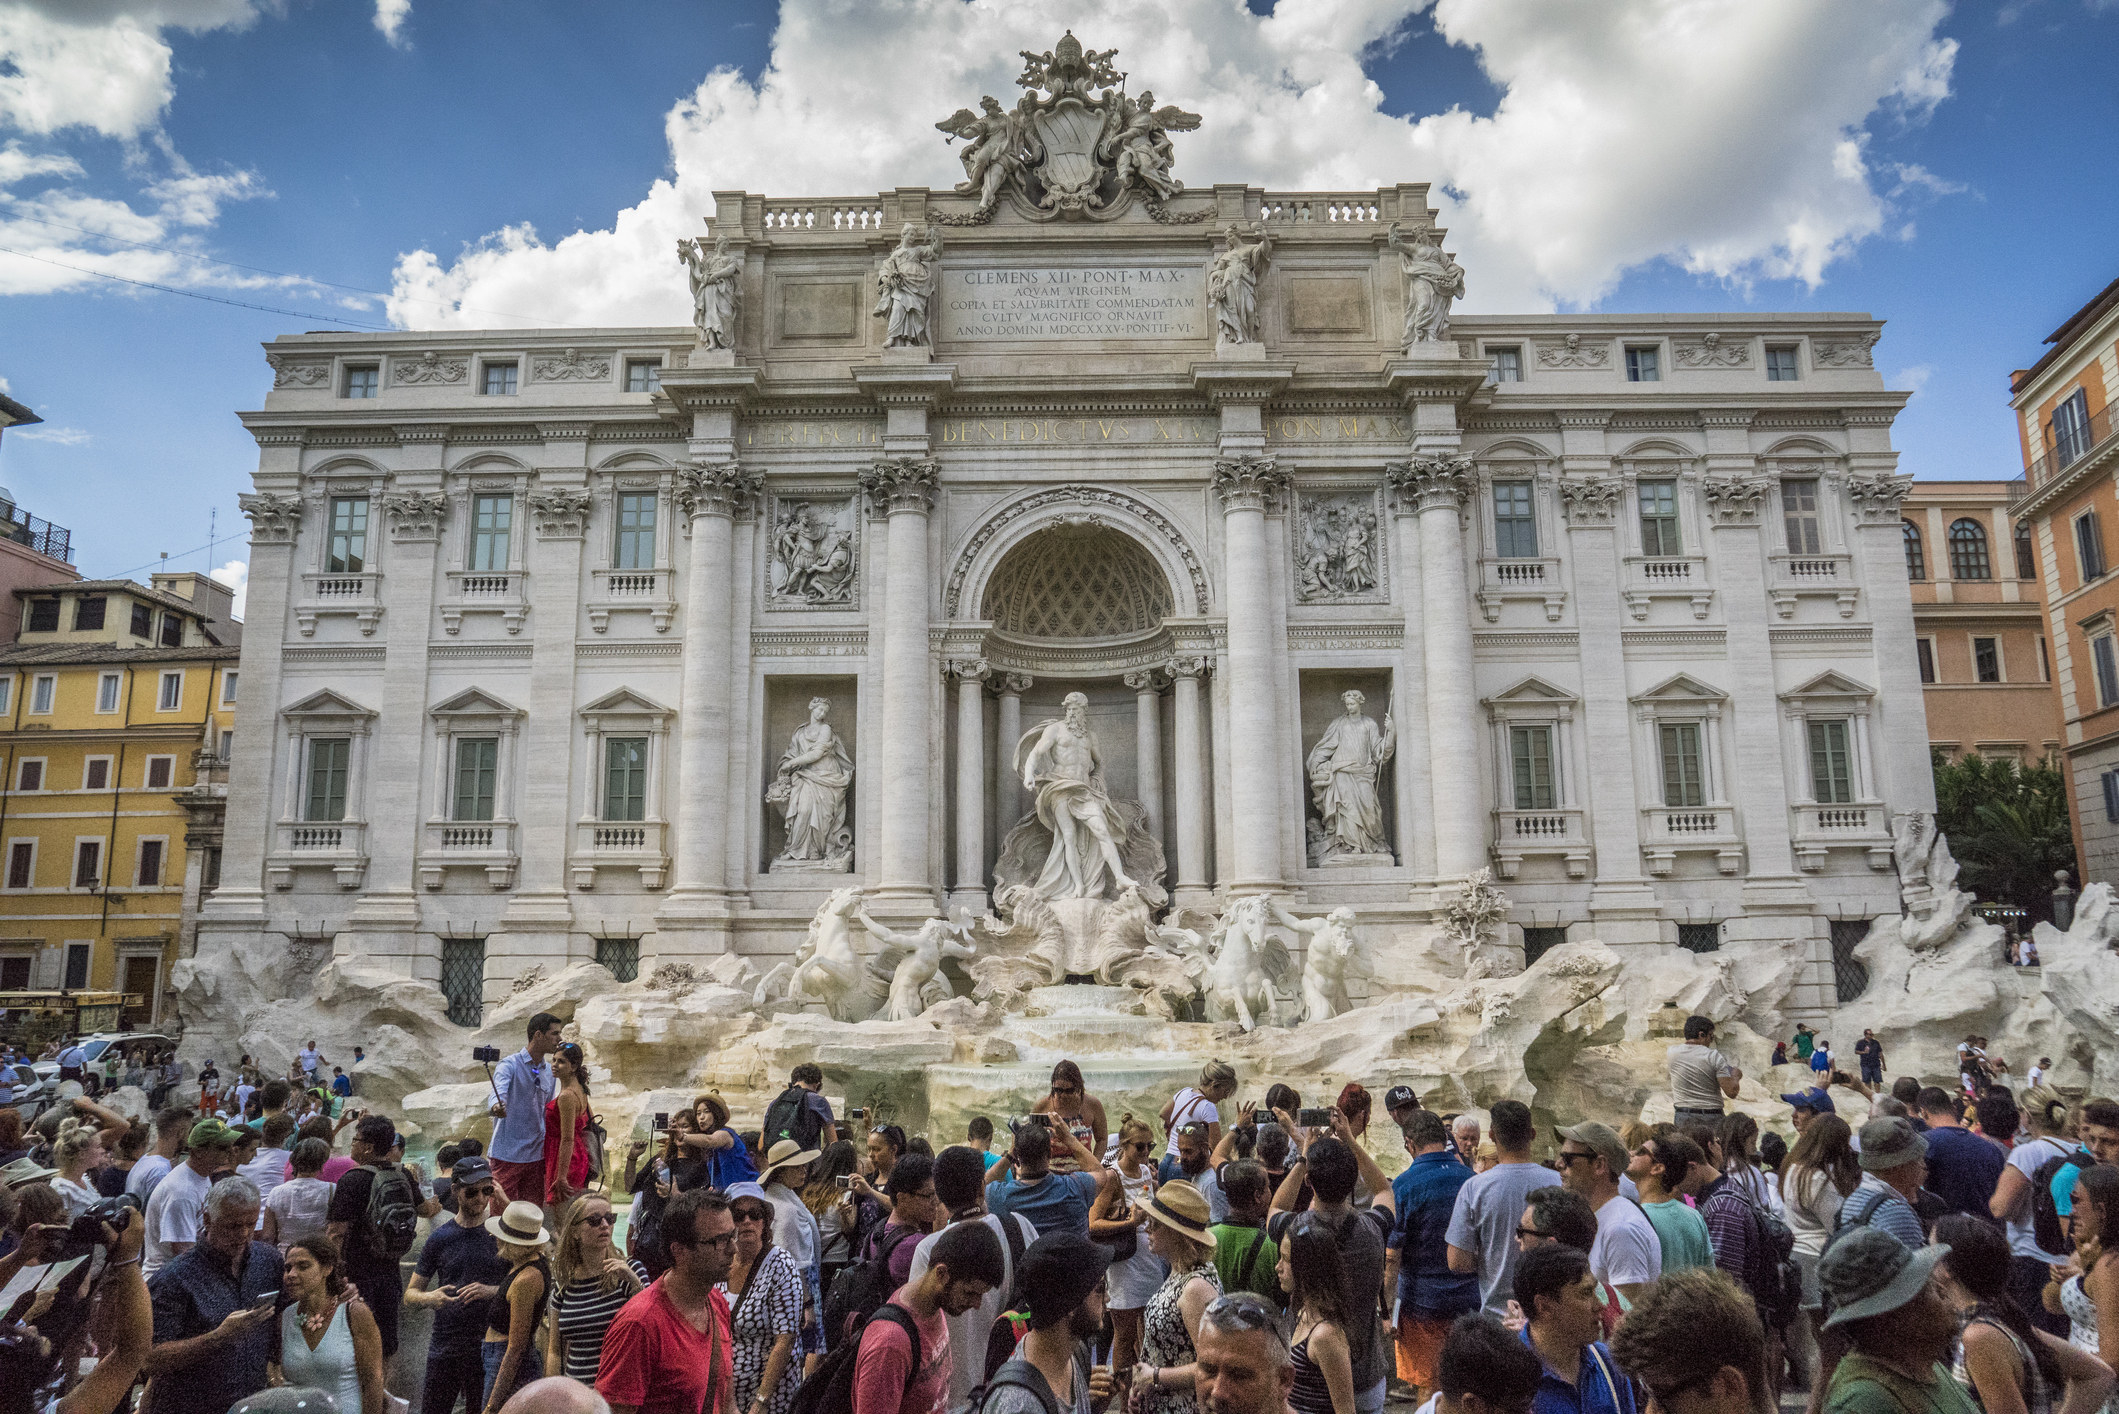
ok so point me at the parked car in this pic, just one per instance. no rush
(94, 1046)
(32, 1091)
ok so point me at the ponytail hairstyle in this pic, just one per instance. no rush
(1979, 1259)
(2045, 1110)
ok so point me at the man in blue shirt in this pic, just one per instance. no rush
(459, 1269)
(1963, 1169)
(215, 1325)
(1557, 1291)
(1053, 1202)
(1430, 1295)
(521, 1086)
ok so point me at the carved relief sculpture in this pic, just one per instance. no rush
(1592, 500)
(1342, 770)
(273, 518)
(1878, 499)
(996, 152)
(1843, 353)
(1336, 559)
(572, 366)
(1432, 281)
(1474, 920)
(1248, 965)
(828, 967)
(1232, 285)
(915, 960)
(560, 513)
(1574, 354)
(812, 559)
(429, 367)
(1710, 352)
(809, 790)
(905, 285)
(415, 515)
(291, 373)
(1140, 151)
(1735, 500)
(715, 276)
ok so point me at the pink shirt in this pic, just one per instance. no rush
(880, 1371)
(335, 1168)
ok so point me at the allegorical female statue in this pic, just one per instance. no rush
(1432, 280)
(1232, 286)
(905, 284)
(714, 273)
(1342, 768)
(810, 792)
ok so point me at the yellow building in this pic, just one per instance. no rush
(118, 703)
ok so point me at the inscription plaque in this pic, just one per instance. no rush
(1042, 303)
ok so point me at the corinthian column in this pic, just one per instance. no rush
(1440, 486)
(970, 675)
(903, 487)
(1188, 778)
(710, 493)
(1246, 485)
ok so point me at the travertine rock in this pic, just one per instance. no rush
(1922, 1002)
(2080, 974)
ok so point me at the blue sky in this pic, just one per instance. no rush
(299, 138)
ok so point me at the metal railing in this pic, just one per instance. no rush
(2063, 451)
(41, 536)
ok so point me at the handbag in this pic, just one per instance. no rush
(1126, 1243)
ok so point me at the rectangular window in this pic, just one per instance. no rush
(7, 695)
(2111, 797)
(2089, 545)
(211, 875)
(42, 689)
(1506, 365)
(2045, 665)
(636, 532)
(1700, 937)
(172, 630)
(2026, 558)
(88, 863)
(95, 773)
(29, 774)
(1539, 941)
(43, 616)
(1780, 363)
(77, 957)
(363, 382)
(463, 979)
(1659, 518)
(143, 621)
(625, 778)
(643, 375)
(171, 695)
(1684, 782)
(228, 682)
(14, 974)
(1530, 759)
(1799, 514)
(326, 795)
(227, 752)
(2071, 429)
(1926, 649)
(1515, 525)
(159, 770)
(491, 519)
(347, 552)
(1643, 365)
(1986, 659)
(499, 379)
(477, 759)
(88, 611)
(2107, 661)
(620, 957)
(107, 692)
(21, 864)
(1831, 765)
(149, 874)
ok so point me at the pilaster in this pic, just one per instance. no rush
(1247, 485)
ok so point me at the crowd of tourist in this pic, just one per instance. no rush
(1927, 1255)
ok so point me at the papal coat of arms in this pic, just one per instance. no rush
(1074, 145)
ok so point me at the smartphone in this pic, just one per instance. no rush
(857, 1114)
(1044, 1120)
(1314, 1119)
(845, 1182)
(267, 1298)
(662, 1120)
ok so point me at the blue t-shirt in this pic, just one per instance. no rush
(341, 1085)
(1599, 1388)
(728, 1167)
(1426, 1197)
(1963, 1169)
(460, 1256)
(1058, 1202)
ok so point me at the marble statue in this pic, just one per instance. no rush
(905, 284)
(828, 967)
(1232, 285)
(1138, 146)
(994, 155)
(809, 790)
(812, 554)
(1474, 921)
(916, 980)
(715, 274)
(1935, 908)
(1064, 771)
(1331, 951)
(1432, 280)
(1338, 555)
(1342, 768)
(1248, 966)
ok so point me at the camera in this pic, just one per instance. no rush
(1314, 1118)
(857, 1114)
(1043, 1120)
(845, 1182)
(662, 1120)
(118, 1212)
(485, 1055)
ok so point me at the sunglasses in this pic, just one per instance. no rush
(1567, 1158)
(751, 1215)
(600, 1219)
(483, 1190)
(1246, 1311)
(1522, 1231)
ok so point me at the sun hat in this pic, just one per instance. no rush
(1179, 1206)
(1602, 1141)
(1813, 1099)
(1057, 1273)
(24, 1170)
(1889, 1142)
(519, 1223)
(786, 1154)
(1868, 1272)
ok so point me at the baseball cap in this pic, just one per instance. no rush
(210, 1134)
(1400, 1097)
(471, 1170)
(1814, 1099)
(1602, 1139)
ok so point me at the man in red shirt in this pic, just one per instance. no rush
(668, 1351)
(892, 1375)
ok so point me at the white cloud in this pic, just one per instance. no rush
(1725, 136)
(236, 575)
(390, 18)
(46, 432)
(1914, 378)
(98, 64)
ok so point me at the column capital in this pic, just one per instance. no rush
(1147, 680)
(1735, 500)
(415, 515)
(717, 488)
(1247, 483)
(561, 513)
(1432, 483)
(1878, 499)
(1591, 500)
(901, 484)
(1194, 667)
(1011, 684)
(274, 517)
(967, 669)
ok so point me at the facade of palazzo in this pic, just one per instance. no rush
(635, 644)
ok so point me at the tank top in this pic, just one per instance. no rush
(1310, 1395)
(330, 1367)
(497, 1313)
(2037, 1398)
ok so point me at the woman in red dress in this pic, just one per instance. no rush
(566, 1123)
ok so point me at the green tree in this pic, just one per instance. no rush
(2008, 828)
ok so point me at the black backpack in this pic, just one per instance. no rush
(393, 1210)
(1021, 1374)
(791, 1116)
(828, 1389)
(2046, 1223)
(863, 1288)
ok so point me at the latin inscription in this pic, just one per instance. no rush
(1047, 431)
(1071, 302)
(841, 433)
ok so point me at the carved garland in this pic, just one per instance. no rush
(1878, 499)
(1735, 500)
(415, 515)
(953, 595)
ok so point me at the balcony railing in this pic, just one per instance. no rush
(2064, 450)
(1862, 825)
(502, 592)
(41, 536)
(644, 590)
(358, 595)
(620, 844)
(1795, 577)
(338, 845)
(1652, 577)
(1501, 580)
(473, 844)
(1670, 830)
(1521, 834)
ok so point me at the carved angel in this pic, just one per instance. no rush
(996, 153)
(1136, 141)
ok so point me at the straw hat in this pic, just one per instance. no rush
(521, 1224)
(786, 1154)
(1183, 1209)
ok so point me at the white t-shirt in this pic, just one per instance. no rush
(310, 1057)
(80, 1197)
(173, 1214)
(2037, 1076)
(302, 1206)
(1188, 1107)
(2025, 1159)
(967, 1333)
(1627, 1252)
(141, 1181)
(268, 1170)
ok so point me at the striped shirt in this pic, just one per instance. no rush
(583, 1311)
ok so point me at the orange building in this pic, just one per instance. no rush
(1979, 618)
(2071, 461)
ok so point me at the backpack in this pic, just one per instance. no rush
(1845, 1223)
(1008, 1331)
(1021, 1374)
(791, 1116)
(1779, 1284)
(593, 1142)
(1012, 1235)
(863, 1288)
(393, 1210)
(2046, 1224)
(828, 1389)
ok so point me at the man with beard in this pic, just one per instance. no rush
(1062, 1282)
